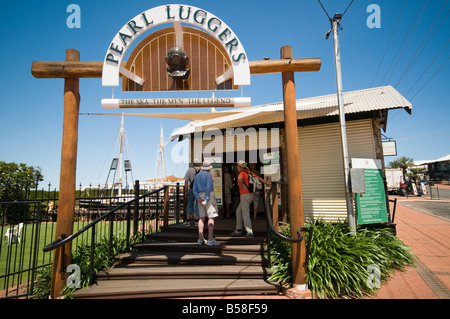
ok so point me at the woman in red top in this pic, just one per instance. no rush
(246, 198)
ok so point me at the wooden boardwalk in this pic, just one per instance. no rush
(170, 264)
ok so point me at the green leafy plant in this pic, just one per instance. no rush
(41, 288)
(280, 254)
(103, 259)
(339, 262)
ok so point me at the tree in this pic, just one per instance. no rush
(15, 179)
(402, 162)
(15, 182)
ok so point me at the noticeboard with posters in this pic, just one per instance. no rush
(216, 172)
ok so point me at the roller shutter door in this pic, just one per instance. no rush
(321, 162)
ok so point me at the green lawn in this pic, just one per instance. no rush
(17, 257)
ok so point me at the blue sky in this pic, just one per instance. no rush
(32, 109)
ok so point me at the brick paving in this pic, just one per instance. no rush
(429, 240)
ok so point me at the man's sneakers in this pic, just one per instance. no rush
(238, 233)
(212, 242)
(201, 242)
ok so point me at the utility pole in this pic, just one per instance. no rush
(340, 96)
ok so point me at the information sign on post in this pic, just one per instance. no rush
(370, 205)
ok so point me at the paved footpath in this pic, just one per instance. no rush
(429, 239)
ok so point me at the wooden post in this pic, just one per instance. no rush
(274, 194)
(294, 187)
(136, 209)
(93, 69)
(166, 207)
(283, 168)
(66, 203)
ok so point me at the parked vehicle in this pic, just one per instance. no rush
(394, 180)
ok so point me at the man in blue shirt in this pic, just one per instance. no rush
(204, 193)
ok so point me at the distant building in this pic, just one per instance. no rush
(437, 170)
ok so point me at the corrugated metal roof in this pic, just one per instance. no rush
(373, 99)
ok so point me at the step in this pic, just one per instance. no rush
(222, 227)
(193, 247)
(183, 258)
(174, 272)
(193, 237)
(160, 288)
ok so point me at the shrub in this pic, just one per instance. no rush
(81, 257)
(41, 288)
(102, 258)
(339, 262)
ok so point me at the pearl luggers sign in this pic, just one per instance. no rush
(175, 13)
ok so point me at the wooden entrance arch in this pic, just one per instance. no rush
(72, 69)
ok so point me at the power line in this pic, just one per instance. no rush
(324, 10)
(346, 9)
(429, 65)
(401, 44)
(389, 42)
(329, 18)
(414, 58)
(409, 39)
(437, 71)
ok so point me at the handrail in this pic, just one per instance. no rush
(395, 206)
(270, 223)
(62, 241)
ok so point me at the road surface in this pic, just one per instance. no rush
(439, 208)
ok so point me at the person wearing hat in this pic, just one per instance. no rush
(246, 198)
(190, 202)
(204, 194)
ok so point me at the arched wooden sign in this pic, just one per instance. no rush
(206, 56)
(208, 60)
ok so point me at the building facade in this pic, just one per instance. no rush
(256, 133)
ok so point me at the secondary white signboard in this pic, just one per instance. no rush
(389, 148)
